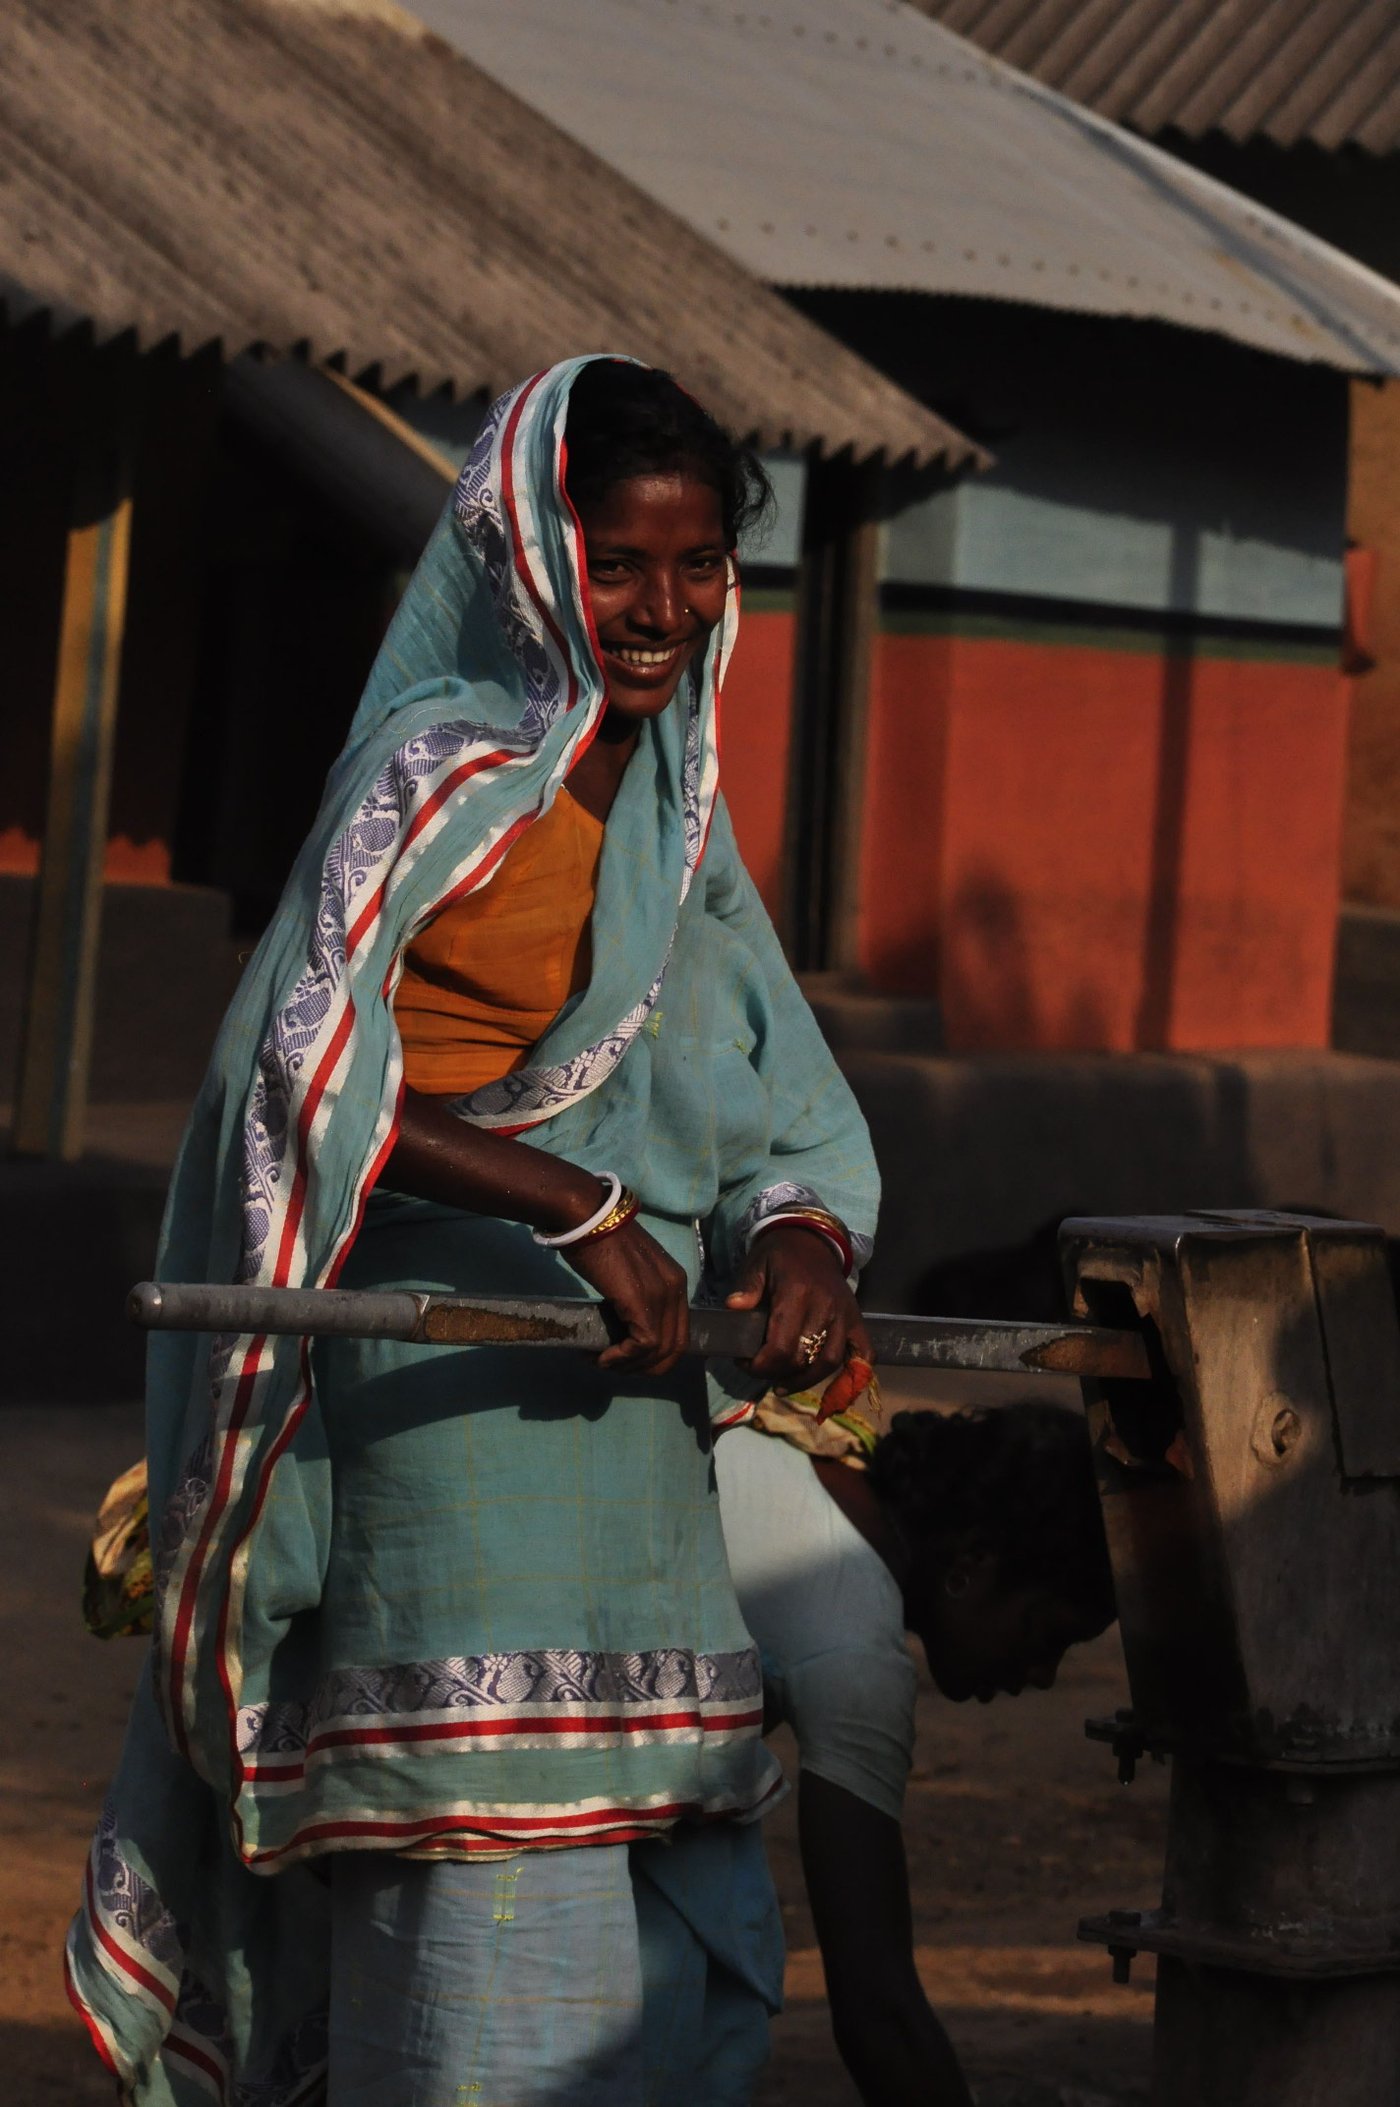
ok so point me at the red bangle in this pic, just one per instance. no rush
(818, 1223)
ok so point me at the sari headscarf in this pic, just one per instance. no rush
(485, 692)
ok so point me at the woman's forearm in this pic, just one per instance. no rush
(440, 1157)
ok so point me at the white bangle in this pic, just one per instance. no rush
(576, 1236)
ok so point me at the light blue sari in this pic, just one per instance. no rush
(411, 1599)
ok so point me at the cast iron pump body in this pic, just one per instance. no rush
(1252, 1499)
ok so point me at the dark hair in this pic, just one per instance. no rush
(1019, 1480)
(627, 420)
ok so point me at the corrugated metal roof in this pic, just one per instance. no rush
(856, 143)
(1285, 70)
(325, 174)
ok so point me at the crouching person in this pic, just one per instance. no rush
(981, 1534)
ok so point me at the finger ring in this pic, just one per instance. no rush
(811, 1344)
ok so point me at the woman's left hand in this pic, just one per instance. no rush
(798, 1276)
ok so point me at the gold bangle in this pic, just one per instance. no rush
(622, 1210)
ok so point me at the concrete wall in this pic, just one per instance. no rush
(167, 966)
(1366, 1003)
(979, 1155)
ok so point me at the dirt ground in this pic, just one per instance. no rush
(1016, 1828)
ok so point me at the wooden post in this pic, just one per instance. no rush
(837, 619)
(52, 1098)
(858, 625)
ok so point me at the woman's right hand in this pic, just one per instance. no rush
(440, 1157)
(648, 1292)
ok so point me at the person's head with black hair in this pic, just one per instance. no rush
(626, 421)
(1001, 1541)
(662, 494)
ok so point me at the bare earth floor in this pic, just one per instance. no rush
(1016, 1828)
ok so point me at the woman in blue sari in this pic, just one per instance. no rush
(451, 1731)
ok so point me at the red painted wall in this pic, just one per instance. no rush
(125, 861)
(1081, 848)
(756, 742)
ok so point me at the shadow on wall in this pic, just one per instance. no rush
(1092, 968)
(992, 995)
(1159, 950)
(1024, 1280)
(1014, 1280)
(1066, 893)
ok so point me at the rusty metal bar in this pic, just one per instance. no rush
(462, 1320)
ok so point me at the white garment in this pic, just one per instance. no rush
(827, 1617)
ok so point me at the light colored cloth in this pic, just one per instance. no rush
(848, 1437)
(500, 1985)
(284, 1716)
(483, 982)
(828, 1617)
(712, 1962)
(570, 1977)
(119, 1583)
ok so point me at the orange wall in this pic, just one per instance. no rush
(1079, 847)
(125, 861)
(756, 742)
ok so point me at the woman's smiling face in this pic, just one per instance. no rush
(657, 578)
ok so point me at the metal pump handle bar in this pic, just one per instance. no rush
(967, 1343)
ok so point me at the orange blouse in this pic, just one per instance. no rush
(486, 978)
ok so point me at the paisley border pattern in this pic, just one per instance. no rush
(137, 1940)
(775, 1198)
(541, 1699)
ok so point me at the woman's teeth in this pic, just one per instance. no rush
(631, 655)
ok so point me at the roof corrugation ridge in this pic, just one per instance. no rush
(1370, 98)
(297, 173)
(1278, 49)
(1129, 60)
(1287, 70)
(1351, 60)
